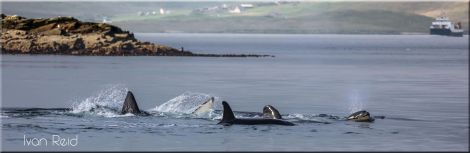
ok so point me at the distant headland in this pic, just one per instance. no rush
(69, 36)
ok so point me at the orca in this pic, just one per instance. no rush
(360, 116)
(271, 112)
(228, 119)
(268, 110)
(130, 105)
(204, 107)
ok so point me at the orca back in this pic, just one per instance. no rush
(262, 121)
(228, 118)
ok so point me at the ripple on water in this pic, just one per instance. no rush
(349, 132)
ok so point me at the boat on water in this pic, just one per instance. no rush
(443, 26)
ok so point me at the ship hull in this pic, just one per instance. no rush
(445, 32)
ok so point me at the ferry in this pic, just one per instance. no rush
(443, 26)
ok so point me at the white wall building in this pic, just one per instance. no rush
(247, 5)
(106, 20)
(236, 10)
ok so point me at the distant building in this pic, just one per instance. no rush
(213, 8)
(236, 10)
(140, 13)
(162, 11)
(224, 6)
(106, 20)
(280, 2)
(247, 5)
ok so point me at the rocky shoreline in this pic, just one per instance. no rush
(69, 36)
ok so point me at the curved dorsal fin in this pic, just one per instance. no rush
(228, 116)
(130, 105)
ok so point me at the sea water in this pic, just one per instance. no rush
(417, 83)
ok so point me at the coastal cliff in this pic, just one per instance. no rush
(69, 36)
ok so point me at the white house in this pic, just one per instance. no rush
(247, 5)
(105, 20)
(236, 10)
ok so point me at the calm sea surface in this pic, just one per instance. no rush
(419, 83)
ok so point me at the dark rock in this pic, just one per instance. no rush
(69, 36)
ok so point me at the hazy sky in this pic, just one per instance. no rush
(246, 0)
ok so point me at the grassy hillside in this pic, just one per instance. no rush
(299, 17)
(347, 21)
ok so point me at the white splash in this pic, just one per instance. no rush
(106, 102)
(355, 102)
(306, 117)
(185, 103)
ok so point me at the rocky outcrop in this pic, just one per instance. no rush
(69, 36)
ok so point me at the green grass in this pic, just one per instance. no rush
(304, 17)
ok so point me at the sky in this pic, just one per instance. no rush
(244, 0)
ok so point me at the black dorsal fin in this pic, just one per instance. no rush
(130, 105)
(228, 116)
